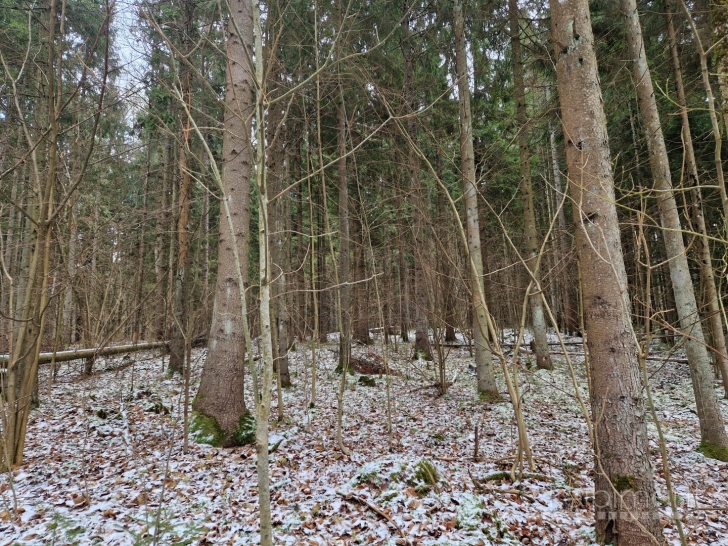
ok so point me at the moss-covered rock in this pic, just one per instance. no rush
(204, 429)
(713, 451)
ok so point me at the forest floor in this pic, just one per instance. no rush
(104, 461)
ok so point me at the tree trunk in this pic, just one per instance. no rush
(140, 250)
(712, 430)
(360, 329)
(626, 509)
(703, 243)
(538, 320)
(483, 358)
(160, 249)
(180, 308)
(278, 212)
(571, 312)
(344, 237)
(22, 369)
(422, 337)
(221, 392)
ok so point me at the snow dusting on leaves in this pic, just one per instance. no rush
(104, 462)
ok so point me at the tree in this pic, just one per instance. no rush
(626, 507)
(181, 290)
(422, 337)
(705, 258)
(532, 259)
(221, 392)
(714, 440)
(483, 357)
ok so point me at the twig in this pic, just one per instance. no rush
(361, 500)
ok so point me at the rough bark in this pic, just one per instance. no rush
(712, 430)
(483, 358)
(626, 509)
(221, 387)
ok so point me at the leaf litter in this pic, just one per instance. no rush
(104, 462)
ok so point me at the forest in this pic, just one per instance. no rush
(337, 272)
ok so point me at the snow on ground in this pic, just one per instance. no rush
(104, 462)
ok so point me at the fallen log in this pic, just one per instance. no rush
(78, 354)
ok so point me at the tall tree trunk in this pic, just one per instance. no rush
(712, 430)
(301, 315)
(344, 237)
(444, 266)
(22, 368)
(483, 357)
(263, 397)
(571, 312)
(703, 243)
(221, 392)
(323, 297)
(626, 512)
(538, 320)
(160, 249)
(422, 337)
(182, 277)
(69, 316)
(278, 213)
(360, 329)
(141, 249)
(705, 73)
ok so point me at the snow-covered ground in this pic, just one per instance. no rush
(104, 462)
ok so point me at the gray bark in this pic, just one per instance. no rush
(712, 430)
(483, 357)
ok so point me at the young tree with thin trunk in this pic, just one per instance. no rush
(180, 308)
(626, 513)
(571, 312)
(538, 320)
(714, 440)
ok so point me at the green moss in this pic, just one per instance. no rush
(422, 354)
(245, 433)
(713, 451)
(158, 408)
(205, 429)
(340, 366)
(489, 396)
(623, 483)
(426, 472)
(367, 381)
